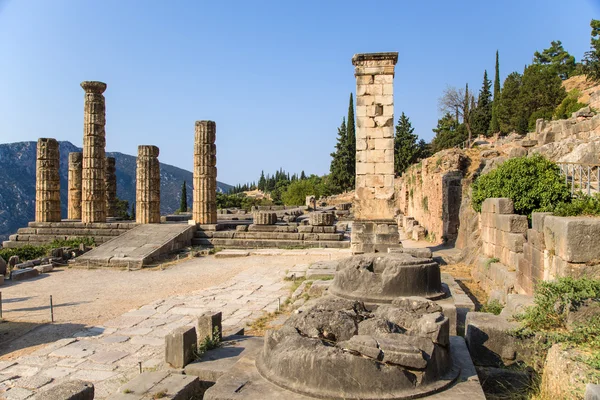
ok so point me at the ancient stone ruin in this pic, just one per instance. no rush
(205, 173)
(374, 227)
(110, 179)
(47, 185)
(74, 193)
(93, 190)
(148, 186)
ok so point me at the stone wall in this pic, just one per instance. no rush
(516, 257)
(430, 192)
(584, 125)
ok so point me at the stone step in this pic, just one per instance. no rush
(158, 385)
(71, 231)
(269, 236)
(265, 244)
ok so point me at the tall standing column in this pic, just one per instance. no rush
(47, 181)
(147, 186)
(110, 181)
(205, 173)
(74, 193)
(374, 207)
(93, 191)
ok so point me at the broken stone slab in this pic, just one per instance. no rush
(179, 346)
(318, 288)
(159, 384)
(44, 268)
(489, 340)
(70, 390)
(592, 392)
(419, 253)
(232, 253)
(22, 274)
(504, 382)
(419, 233)
(516, 304)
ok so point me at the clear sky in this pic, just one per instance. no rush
(274, 75)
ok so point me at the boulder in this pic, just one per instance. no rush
(3, 266)
(565, 375)
(517, 152)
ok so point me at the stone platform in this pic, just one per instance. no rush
(43, 233)
(243, 381)
(139, 246)
(270, 236)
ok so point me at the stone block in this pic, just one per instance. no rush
(22, 274)
(208, 325)
(419, 233)
(574, 239)
(592, 392)
(42, 269)
(536, 239)
(498, 206)
(179, 346)
(489, 340)
(512, 223)
(512, 241)
(70, 390)
(537, 220)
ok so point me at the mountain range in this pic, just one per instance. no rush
(17, 183)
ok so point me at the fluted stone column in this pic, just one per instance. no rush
(205, 173)
(93, 191)
(147, 208)
(374, 228)
(110, 181)
(47, 181)
(74, 194)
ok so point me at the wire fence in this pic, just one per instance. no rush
(581, 177)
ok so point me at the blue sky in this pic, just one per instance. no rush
(274, 75)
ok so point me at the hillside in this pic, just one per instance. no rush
(17, 183)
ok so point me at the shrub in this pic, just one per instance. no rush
(581, 204)
(24, 253)
(554, 300)
(532, 183)
(569, 105)
(492, 307)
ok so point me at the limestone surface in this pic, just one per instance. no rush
(74, 193)
(47, 181)
(147, 186)
(205, 173)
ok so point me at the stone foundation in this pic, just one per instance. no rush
(374, 236)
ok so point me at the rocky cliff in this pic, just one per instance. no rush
(17, 183)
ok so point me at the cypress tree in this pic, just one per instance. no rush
(406, 148)
(302, 175)
(482, 114)
(494, 122)
(351, 142)
(262, 182)
(339, 162)
(183, 201)
(133, 216)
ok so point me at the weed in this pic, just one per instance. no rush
(160, 395)
(215, 250)
(490, 262)
(492, 307)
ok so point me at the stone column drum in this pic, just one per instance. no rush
(147, 186)
(110, 185)
(74, 194)
(205, 173)
(47, 181)
(93, 191)
(374, 208)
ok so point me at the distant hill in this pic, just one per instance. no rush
(17, 183)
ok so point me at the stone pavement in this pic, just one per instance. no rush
(110, 355)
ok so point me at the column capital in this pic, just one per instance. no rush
(374, 63)
(93, 86)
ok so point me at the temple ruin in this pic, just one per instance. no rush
(205, 173)
(47, 185)
(374, 228)
(93, 190)
(74, 179)
(148, 186)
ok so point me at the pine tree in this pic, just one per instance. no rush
(351, 142)
(183, 201)
(406, 148)
(262, 182)
(302, 175)
(557, 59)
(591, 61)
(482, 114)
(494, 123)
(339, 173)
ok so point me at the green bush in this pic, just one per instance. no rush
(568, 106)
(532, 183)
(296, 192)
(28, 252)
(554, 300)
(493, 307)
(581, 204)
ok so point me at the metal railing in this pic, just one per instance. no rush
(581, 177)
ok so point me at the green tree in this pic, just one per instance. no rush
(406, 148)
(122, 207)
(448, 133)
(510, 115)
(591, 60)
(457, 101)
(262, 182)
(494, 122)
(541, 93)
(340, 173)
(351, 142)
(557, 59)
(302, 175)
(132, 213)
(183, 201)
(482, 114)
(569, 105)
(313, 186)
